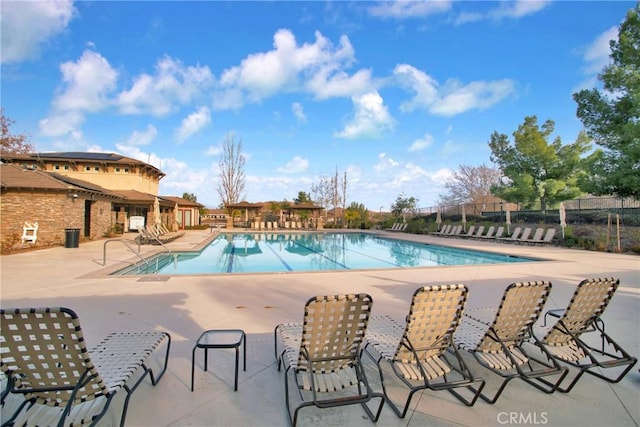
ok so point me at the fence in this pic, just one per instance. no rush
(596, 210)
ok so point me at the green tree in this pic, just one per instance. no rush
(404, 206)
(303, 197)
(355, 213)
(611, 117)
(12, 143)
(190, 196)
(537, 170)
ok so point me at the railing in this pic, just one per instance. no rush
(124, 242)
(595, 210)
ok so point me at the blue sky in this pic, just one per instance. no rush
(396, 94)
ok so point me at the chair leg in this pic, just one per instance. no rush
(156, 378)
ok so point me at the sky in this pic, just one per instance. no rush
(396, 95)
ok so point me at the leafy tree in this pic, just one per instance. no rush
(471, 185)
(303, 197)
(356, 212)
(612, 117)
(537, 170)
(404, 206)
(231, 171)
(11, 143)
(190, 196)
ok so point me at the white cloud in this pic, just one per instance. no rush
(61, 123)
(328, 83)
(371, 118)
(213, 150)
(193, 123)
(173, 84)
(518, 9)
(453, 97)
(317, 68)
(507, 10)
(298, 111)
(142, 138)
(442, 176)
(86, 83)
(409, 8)
(26, 25)
(296, 165)
(596, 55)
(421, 143)
(385, 163)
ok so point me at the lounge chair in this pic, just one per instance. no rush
(499, 233)
(323, 354)
(45, 357)
(489, 234)
(525, 236)
(479, 232)
(499, 338)
(417, 351)
(514, 236)
(537, 236)
(455, 231)
(548, 237)
(444, 230)
(564, 340)
(469, 232)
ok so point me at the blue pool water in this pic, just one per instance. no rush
(270, 253)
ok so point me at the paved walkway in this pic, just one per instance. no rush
(186, 305)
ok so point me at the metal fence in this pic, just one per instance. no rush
(594, 210)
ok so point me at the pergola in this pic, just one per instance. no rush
(305, 206)
(254, 209)
(246, 207)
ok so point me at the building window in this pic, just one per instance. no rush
(87, 168)
(117, 169)
(96, 168)
(126, 170)
(66, 167)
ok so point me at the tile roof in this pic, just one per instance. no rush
(13, 176)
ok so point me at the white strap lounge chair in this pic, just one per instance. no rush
(323, 354)
(45, 358)
(420, 352)
(499, 339)
(566, 342)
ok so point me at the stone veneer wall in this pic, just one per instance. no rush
(53, 211)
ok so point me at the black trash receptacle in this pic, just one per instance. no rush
(72, 237)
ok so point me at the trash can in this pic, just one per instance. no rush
(72, 237)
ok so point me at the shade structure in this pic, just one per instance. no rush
(438, 219)
(563, 217)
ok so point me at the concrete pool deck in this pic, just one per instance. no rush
(184, 306)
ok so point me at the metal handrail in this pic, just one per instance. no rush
(104, 251)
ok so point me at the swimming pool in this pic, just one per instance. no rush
(305, 252)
